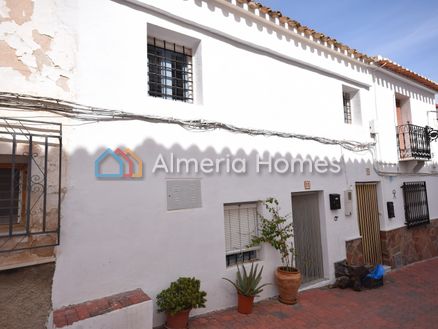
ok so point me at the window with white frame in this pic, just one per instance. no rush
(170, 70)
(347, 107)
(351, 105)
(241, 224)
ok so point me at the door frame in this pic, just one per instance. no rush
(380, 206)
(322, 227)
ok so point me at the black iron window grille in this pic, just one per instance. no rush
(413, 142)
(170, 70)
(30, 184)
(242, 257)
(347, 107)
(416, 206)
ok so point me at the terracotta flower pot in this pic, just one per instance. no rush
(244, 304)
(179, 320)
(288, 284)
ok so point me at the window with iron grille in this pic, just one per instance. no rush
(241, 223)
(347, 107)
(416, 206)
(12, 193)
(170, 70)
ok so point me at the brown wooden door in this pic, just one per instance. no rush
(369, 224)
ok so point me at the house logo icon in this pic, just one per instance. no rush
(127, 164)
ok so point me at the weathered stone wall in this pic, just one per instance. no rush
(354, 252)
(403, 246)
(400, 246)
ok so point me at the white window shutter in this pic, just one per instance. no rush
(240, 222)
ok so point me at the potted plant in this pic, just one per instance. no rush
(179, 299)
(278, 232)
(247, 286)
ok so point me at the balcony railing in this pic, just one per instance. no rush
(413, 142)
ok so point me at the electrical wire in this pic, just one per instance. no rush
(95, 114)
(91, 115)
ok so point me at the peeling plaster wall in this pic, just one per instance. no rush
(41, 251)
(38, 47)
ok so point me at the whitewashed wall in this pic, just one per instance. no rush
(118, 235)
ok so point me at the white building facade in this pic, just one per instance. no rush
(277, 110)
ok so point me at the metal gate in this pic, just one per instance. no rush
(30, 184)
(307, 236)
(369, 224)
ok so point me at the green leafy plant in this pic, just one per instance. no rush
(277, 232)
(248, 284)
(183, 294)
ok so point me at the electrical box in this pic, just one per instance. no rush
(390, 208)
(372, 125)
(183, 194)
(348, 202)
(335, 201)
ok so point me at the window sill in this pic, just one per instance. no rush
(233, 252)
(234, 266)
(16, 229)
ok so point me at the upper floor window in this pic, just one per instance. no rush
(402, 109)
(170, 70)
(351, 105)
(347, 107)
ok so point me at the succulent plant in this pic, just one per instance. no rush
(183, 294)
(248, 284)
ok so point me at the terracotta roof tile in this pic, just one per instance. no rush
(303, 29)
(397, 68)
(331, 42)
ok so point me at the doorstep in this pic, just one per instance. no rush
(315, 284)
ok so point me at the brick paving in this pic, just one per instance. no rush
(408, 299)
(74, 313)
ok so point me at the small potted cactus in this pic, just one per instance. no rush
(248, 286)
(178, 300)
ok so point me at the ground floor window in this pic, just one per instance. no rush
(416, 205)
(241, 223)
(12, 193)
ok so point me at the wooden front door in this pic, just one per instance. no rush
(369, 224)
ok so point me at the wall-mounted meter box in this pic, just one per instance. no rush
(372, 125)
(348, 202)
(390, 208)
(335, 201)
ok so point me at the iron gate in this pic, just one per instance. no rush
(30, 184)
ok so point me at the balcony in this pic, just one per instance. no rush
(413, 142)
